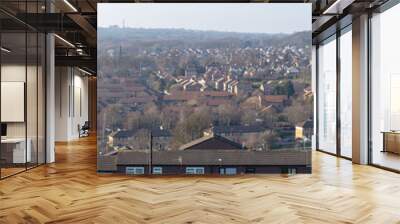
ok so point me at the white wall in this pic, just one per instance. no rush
(17, 73)
(33, 126)
(11, 73)
(62, 81)
(71, 103)
(81, 102)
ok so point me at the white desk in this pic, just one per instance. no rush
(19, 153)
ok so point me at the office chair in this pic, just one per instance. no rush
(84, 130)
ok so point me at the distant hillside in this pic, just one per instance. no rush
(156, 35)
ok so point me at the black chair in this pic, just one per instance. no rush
(84, 130)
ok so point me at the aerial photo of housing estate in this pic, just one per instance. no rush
(191, 101)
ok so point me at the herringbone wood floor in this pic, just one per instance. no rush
(70, 191)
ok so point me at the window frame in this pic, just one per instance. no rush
(134, 170)
(336, 36)
(194, 170)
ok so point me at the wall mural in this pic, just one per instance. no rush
(219, 89)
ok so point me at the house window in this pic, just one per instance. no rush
(194, 170)
(250, 170)
(157, 170)
(134, 170)
(290, 171)
(228, 171)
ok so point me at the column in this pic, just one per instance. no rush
(360, 90)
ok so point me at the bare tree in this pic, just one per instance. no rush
(228, 115)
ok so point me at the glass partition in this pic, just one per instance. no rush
(14, 153)
(31, 98)
(22, 91)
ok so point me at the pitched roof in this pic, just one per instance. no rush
(212, 141)
(275, 98)
(156, 132)
(124, 134)
(270, 108)
(160, 132)
(217, 102)
(238, 129)
(182, 95)
(216, 93)
(215, 157)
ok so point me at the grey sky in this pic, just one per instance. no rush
(233, 17)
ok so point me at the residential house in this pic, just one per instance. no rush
(137, 139)
(219, 83)
(161, 138)
(308, 93)
(243, 88)
(123, 138)
(194, 86)
(292, 72)
(286, 133)
(266, 87)
(191, 71)
(211, 142)
(232, 87)
(212, 155)
(276, 100)
(243, 134)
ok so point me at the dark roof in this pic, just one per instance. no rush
(124, 134)
(216, 157)
(156, 132)
(160, 133)
(238, 129)
(211, 142)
